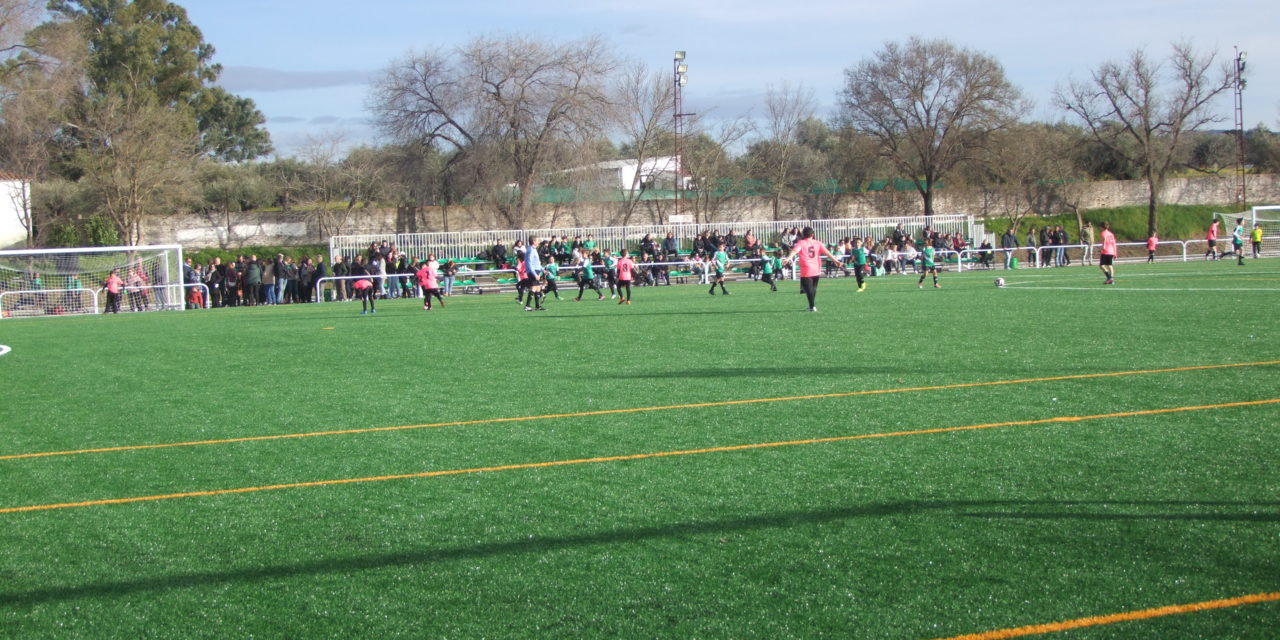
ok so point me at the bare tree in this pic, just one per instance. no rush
(513, 107)
(930, 104)
(324, 193)
(38, 72)
(1026, 169)
(644, 102)
(779, 158)
(717, 179)
(1141, 109)
(139, 160)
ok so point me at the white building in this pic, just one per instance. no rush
(15, 209)
(633, 174)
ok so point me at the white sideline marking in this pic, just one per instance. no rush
(4, 348)
(1100, 287)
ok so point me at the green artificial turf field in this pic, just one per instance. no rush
(904, 463)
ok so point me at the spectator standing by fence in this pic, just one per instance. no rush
(1086, 238)
(1008, 242)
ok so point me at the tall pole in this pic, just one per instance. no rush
(1240, 156)
(679, 69)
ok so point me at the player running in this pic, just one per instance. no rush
(719, 262)
(426, 276)
(810, 253)
(770, 266)
(859, 263)
(587, 279)
(1237, 241)
(549, 274)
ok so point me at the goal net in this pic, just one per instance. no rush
(1266, 217)
(55, 282)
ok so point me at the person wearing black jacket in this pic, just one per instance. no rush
(305, 274)
(1008, 242)
(320, 272)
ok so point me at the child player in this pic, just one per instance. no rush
(427, 280)
(1237, 240)
(1211, 237)
(859, 262)
(1256, 237)
(549, 274)
(624, 266)
(810, 252)
(719, 262)
(930, 266)
(769, 266)
(587, 279)
(1152, 242)
(1108, 257)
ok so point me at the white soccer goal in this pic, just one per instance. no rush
(56, 282)
(1268, 218)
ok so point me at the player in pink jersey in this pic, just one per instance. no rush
(1211, 237)
(809, 252)
(427, 280)
(113, 292)
(1153, 241)
(1108, 256)
(624, 265)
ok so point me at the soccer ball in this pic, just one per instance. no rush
(999, 282)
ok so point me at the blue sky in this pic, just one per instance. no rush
(307, 64)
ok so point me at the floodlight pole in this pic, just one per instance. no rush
(1240, 155)
(680, 77)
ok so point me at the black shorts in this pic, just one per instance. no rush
(1213, 244)
(1106, 260)
(530, 283)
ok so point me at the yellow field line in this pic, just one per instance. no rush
(636, 456)
(605, 412)
(1054, 627)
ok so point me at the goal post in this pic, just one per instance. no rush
(58, 282)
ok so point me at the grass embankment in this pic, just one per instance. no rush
(1177, 221)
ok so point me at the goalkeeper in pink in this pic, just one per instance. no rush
(809, 252)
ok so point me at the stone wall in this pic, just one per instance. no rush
(218, 230)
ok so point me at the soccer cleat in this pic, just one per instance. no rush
(622, 302)
(1109, 281)
(628, 302)
(937, 286)
(364, 313)
(539, 308)
(528, 308)
(600, 298)
(919, 285)
(862, 287)
(813, 309)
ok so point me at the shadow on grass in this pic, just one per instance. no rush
(1014, 509)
